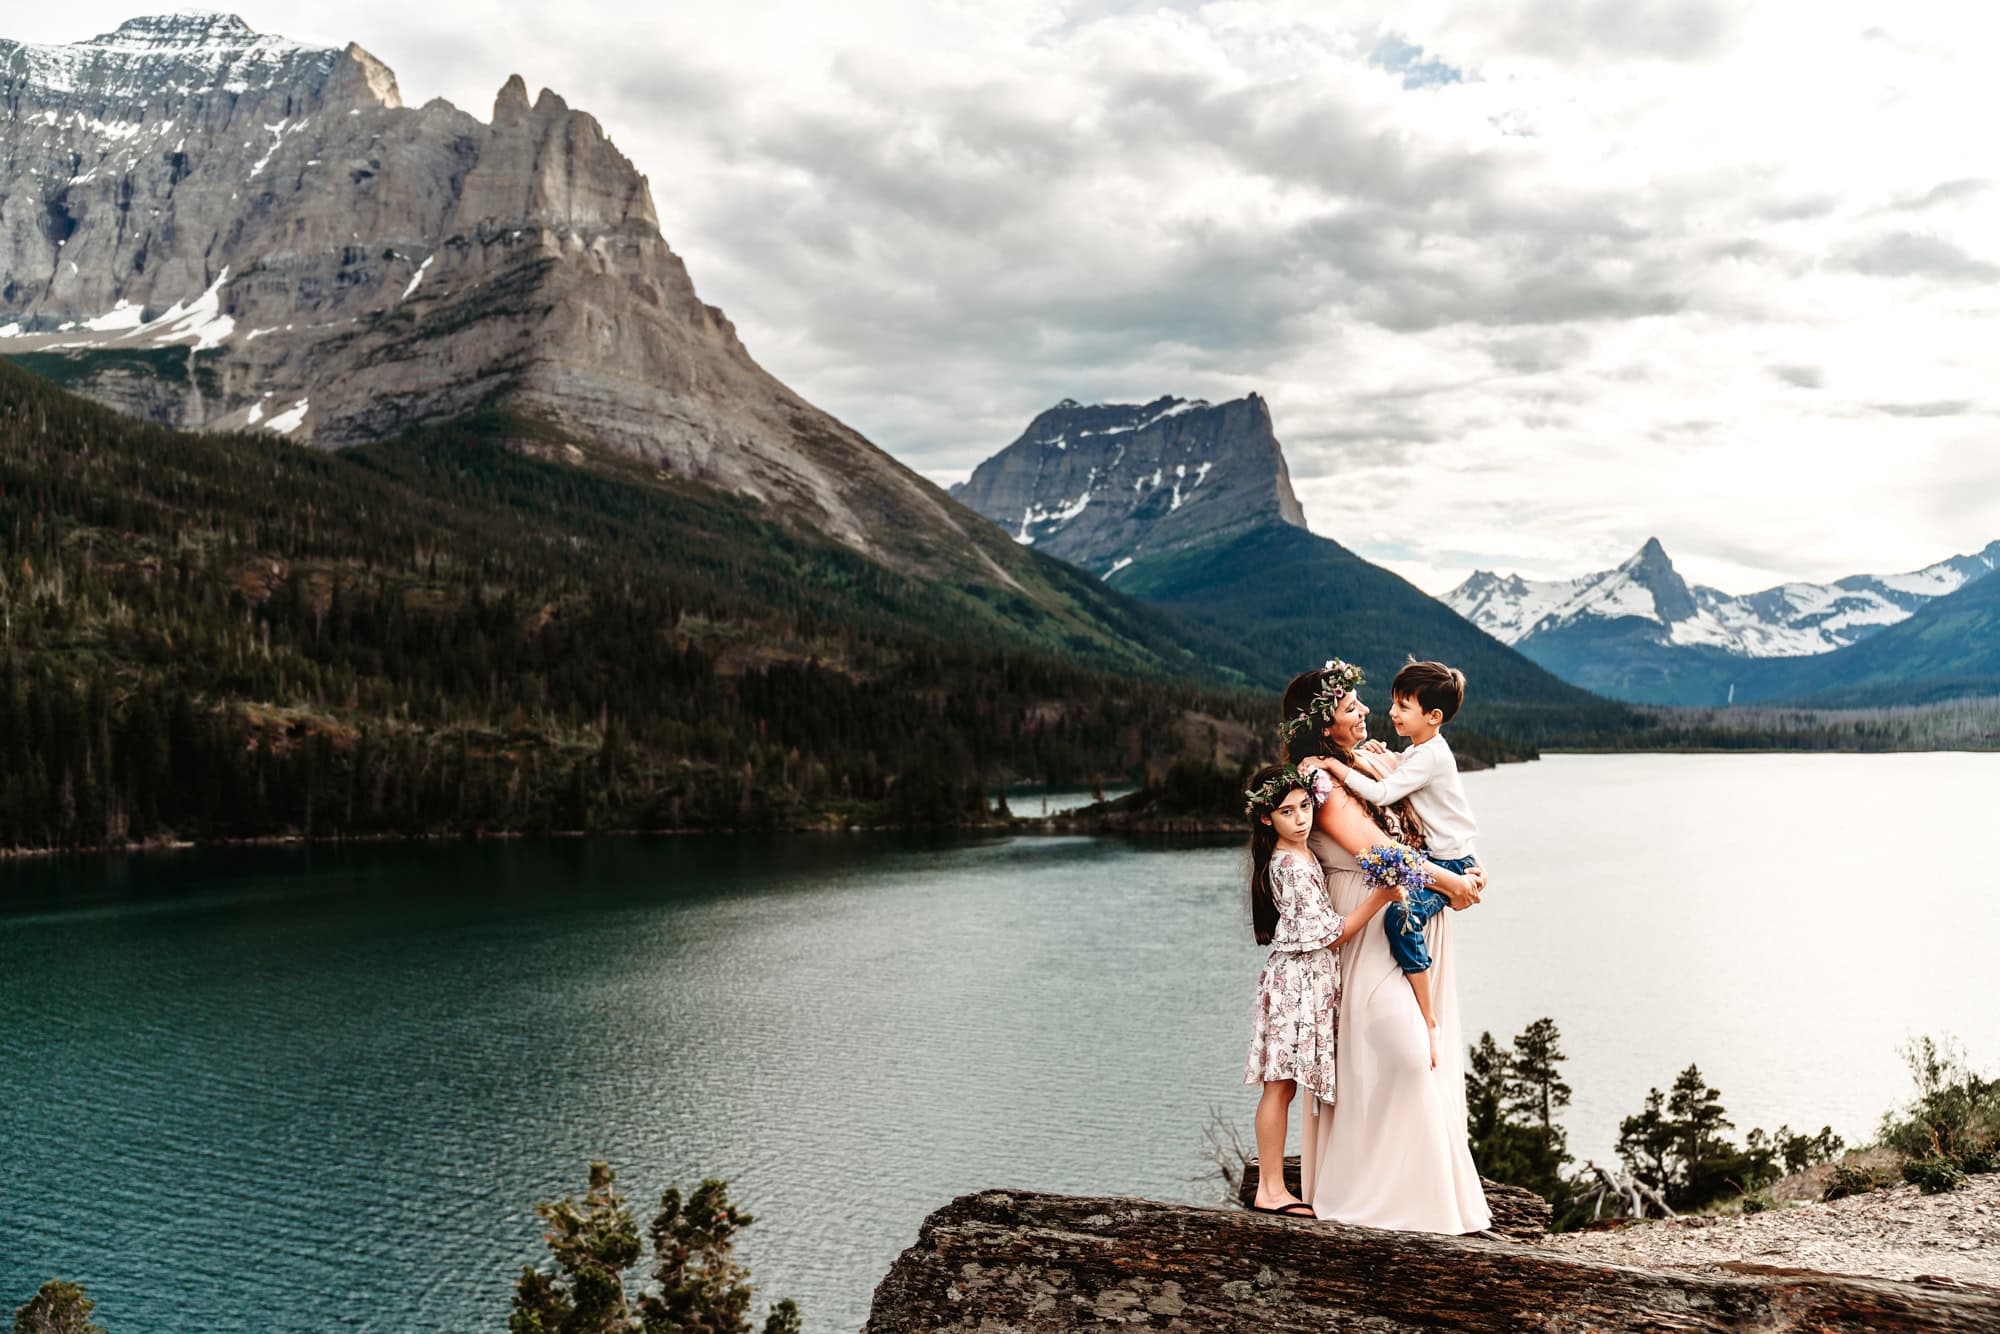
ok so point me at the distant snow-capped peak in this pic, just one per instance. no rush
(1790, 620)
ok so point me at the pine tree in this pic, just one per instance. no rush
(58, 1308)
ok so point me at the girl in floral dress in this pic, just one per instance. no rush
(1298, 993)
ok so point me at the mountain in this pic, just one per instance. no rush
(1106, 484)
(216, 229)
(1789, 620)
(1238, 561)
(224, 635)
(1642, 633)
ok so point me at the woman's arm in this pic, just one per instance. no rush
(1364, 912)
(1344, 819)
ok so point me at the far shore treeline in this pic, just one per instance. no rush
(206, 638)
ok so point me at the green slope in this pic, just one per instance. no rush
(1293, 599)
(1624, 659)
(230, 636)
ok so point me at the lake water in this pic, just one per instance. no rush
(262, 1090)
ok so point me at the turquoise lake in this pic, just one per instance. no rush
(318, 1089)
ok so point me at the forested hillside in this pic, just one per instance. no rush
(206, 637)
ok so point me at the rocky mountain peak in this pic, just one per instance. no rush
(1105, 484)
(512, 101)
(1652, 570)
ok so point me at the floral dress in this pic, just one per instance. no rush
(1298, 993)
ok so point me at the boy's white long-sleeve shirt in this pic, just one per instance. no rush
(1428, 775)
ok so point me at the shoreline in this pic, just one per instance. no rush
(1051, 825)
(1106, 823)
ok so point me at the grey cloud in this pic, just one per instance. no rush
(1799, 208)
(1578, 30)
(1524, 279)
(1538, 352)
(655, 85)
(1379, 429)
(1320, 142)
(1805, 377)
(1913, 255)
(1946, 192)
(1944, 407)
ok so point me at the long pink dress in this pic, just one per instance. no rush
(1392, 1151)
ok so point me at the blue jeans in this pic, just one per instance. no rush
(1406, 925)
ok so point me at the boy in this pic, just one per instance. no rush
(1424, 697)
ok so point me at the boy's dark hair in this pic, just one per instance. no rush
(1432, 685)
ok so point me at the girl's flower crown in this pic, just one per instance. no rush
(1318, 785)
(1341, 679)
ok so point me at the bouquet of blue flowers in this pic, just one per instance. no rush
(1398, 867)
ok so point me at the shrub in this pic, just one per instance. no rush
(1955, 1117)
(1850, 1179)
(1934, 1175)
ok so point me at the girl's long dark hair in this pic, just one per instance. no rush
(1263, 843)
(1315, 739)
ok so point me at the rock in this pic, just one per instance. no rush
(1895, 1233)
(1105, 484)
(1517, 1213)
(241, 231)
(1028, 1262)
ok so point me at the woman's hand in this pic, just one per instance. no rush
(1461, 891)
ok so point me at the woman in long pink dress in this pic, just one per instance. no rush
(1391, 1150)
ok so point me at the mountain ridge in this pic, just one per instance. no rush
(1792, 619)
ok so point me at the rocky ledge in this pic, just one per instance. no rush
(1004, 1260)
(1896, 1233)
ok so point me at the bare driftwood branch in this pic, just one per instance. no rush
(1632, 1194)
(1002, 1261)
(1222, 1144)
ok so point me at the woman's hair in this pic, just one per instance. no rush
(1399, 820)
(1263, 843)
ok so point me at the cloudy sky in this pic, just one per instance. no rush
(1525, 281)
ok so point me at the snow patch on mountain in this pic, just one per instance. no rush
(208, 50)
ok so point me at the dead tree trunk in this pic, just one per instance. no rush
(1002, 1261)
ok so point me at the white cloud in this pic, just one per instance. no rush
(1604, 269)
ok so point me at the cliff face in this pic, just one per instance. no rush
(217, 229)
(1107, 484)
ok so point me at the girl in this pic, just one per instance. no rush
(1298, 993)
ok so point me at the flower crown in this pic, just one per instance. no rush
(1340, 680)
(1317, 783)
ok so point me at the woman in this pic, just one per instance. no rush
(1391, 1151)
